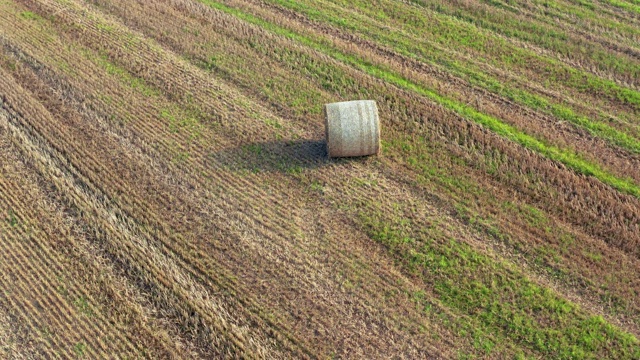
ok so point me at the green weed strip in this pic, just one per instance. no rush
(565, 156)
(632, 7)
(526, 24)
(447, 30)
(457, 26)
(476, 77)
(501, 304)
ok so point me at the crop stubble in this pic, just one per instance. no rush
(228, 257)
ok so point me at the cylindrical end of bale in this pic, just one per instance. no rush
(352, 128)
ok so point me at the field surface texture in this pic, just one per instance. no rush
(165, 191)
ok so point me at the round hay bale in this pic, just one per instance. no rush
(352, 128)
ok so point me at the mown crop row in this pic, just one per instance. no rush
(575, 43)
(421, 42)
(186, 126)
(188, 163)
(87, 157)
(44, 290)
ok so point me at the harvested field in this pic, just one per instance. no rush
(165, 191)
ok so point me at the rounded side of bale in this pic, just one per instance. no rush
(352, 128)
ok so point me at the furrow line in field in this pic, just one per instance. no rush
(21, 301)
(579, 84)
(15, 340)
(56, 346)
(609, 38)
(144, 255)
(614, 42)
(90, 322)
(576, 12)
(625, 10)
(233, 205)
(119, 343)
(58, 309)
(24, 310)
(47, 259)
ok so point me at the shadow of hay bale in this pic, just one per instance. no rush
(274, 156)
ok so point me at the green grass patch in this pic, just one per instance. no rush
(255, 149)
(83, 307)
(30, 15)
(180, 121)
(12, 219)
(125, 76)
(80, 349)
(105, 27)
(595, 256)
(500, 303)
(317, 186)
(625, 5)
(532, 215)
